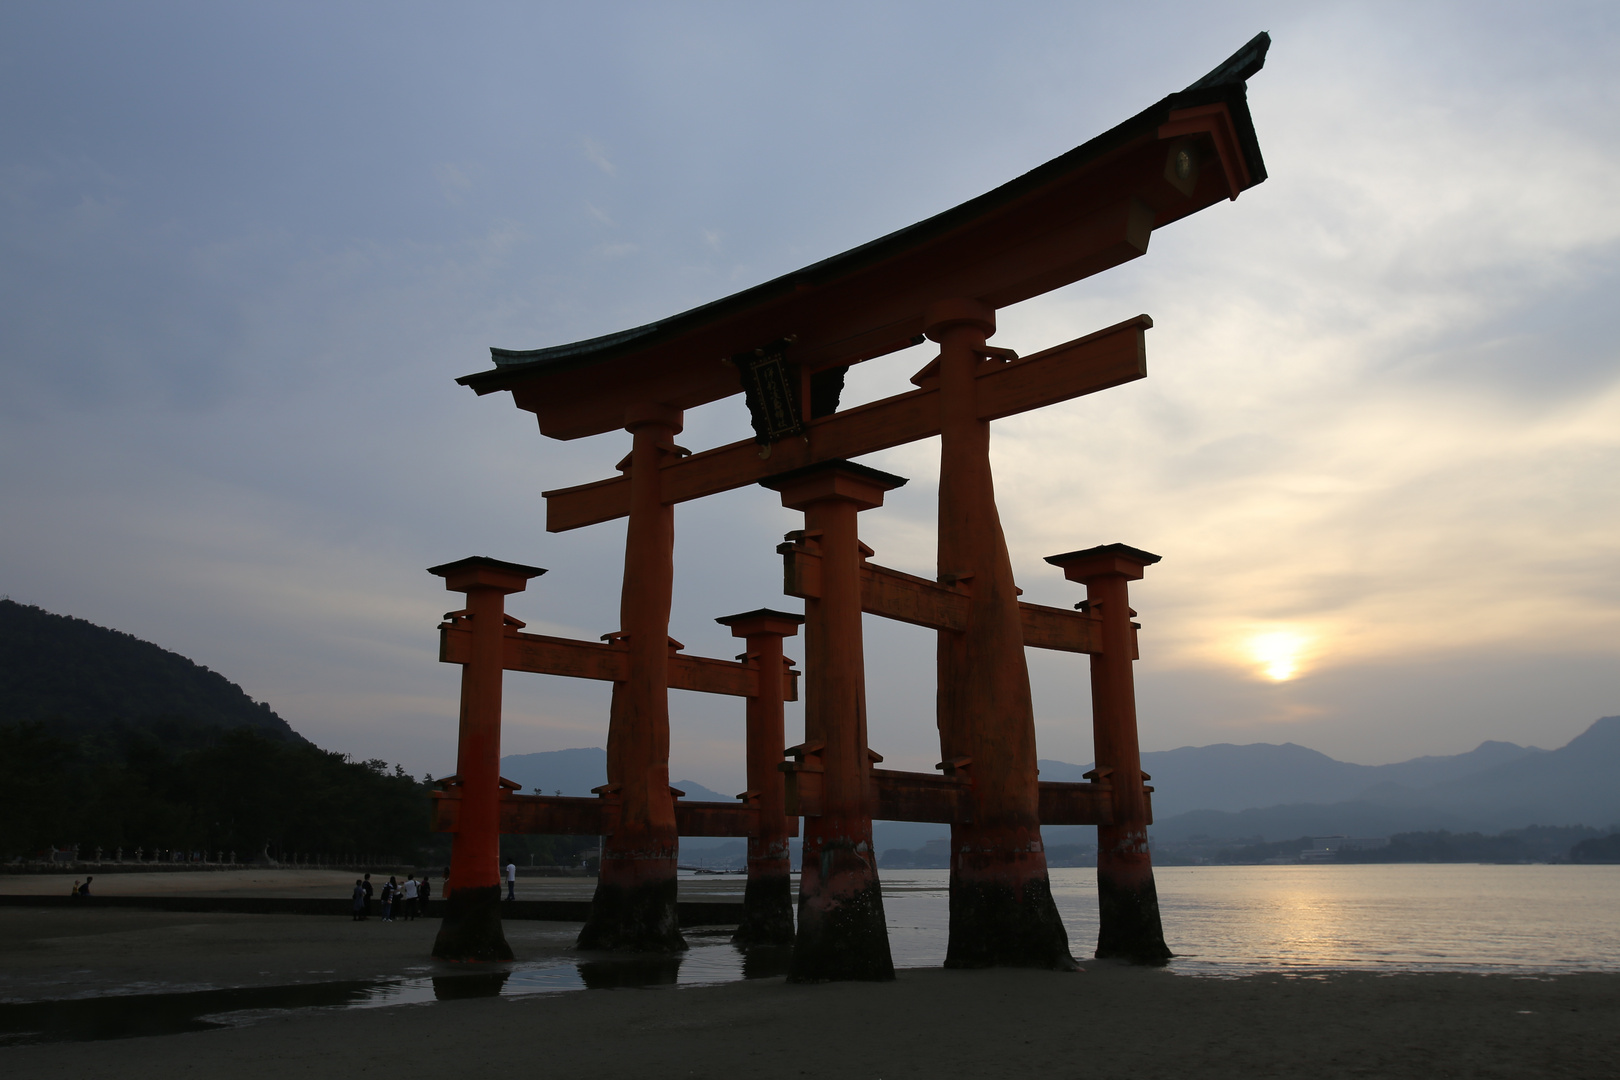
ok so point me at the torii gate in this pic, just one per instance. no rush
(786, 345)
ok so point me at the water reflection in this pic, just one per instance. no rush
(765, 961)
(456, 987)
(1222, 921)
(625, 971)
(129, 1016)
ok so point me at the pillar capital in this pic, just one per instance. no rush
(483, 572)
(645, 413)
(836, 480)
(942, 315)
(762, 621)
(1106, 560)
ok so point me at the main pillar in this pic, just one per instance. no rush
(841, 933)
(1002, 911)
(768, 899)
(634, 904)
(1127, 900)
(471, 929)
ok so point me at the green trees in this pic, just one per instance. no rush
(214, 790)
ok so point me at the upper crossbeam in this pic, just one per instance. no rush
(1085, 365)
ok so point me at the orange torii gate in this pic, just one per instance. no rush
(786, 345)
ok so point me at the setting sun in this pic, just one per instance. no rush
(1278, 653)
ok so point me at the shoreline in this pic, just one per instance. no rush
(930, 1022)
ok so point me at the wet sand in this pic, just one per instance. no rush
(1107, 1020)
(276, 882)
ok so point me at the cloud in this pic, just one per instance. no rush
(453, 181)
(1381, 413)
(597, 155)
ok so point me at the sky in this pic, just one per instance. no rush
(245, 250)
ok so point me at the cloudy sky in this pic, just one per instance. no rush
(246, 249)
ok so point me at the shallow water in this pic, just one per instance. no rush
(711, 958)
(1221, 921)
(1236, 920)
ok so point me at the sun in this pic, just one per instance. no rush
(1278, 653)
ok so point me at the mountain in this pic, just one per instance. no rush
(571, 772)
(1233, 778)
(110, 742)
(81, 678)
(1274, 792)
(576, 772)
(1495, 787)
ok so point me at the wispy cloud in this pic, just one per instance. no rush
(596, 154)
(453, 180)
(1377, 445)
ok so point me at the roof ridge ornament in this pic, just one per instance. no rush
(1238, 67)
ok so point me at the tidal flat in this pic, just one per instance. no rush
(928, 1023)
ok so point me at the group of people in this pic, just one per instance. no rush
(406, 900)
(84, 889)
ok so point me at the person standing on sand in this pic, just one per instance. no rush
(511, 881)
(358, 901)
(75, 891)
(365, 909)
(424, 891)
(84, 890)
(388, 891)
(411, 894)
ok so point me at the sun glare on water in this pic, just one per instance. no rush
(1278, 653)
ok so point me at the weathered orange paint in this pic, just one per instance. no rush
(1077, 215)
(471, 929)
(634, 904)
(1129, 924)
(1088, 364)
(1002, 911)
(610, 662)
(767, 899)
(841, 932)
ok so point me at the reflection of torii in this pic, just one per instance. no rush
(786, 344)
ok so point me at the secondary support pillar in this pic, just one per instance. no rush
(1002, 911)
(841, 933)
(634, 904)
(471, 929)
(768, 900)
(1127, 900)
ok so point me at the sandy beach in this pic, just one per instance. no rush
(1108, 1019)
(300, 882)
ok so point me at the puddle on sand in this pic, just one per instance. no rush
(712, 959)
(127, 1016)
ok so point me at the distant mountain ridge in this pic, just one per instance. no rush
(1274, 792)
(1232, 777)
(576, 772)
(81, 678)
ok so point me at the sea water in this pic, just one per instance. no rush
(1236, 920)
(1220, 921)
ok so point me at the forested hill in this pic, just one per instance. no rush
(109, 742)
(82, 679)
